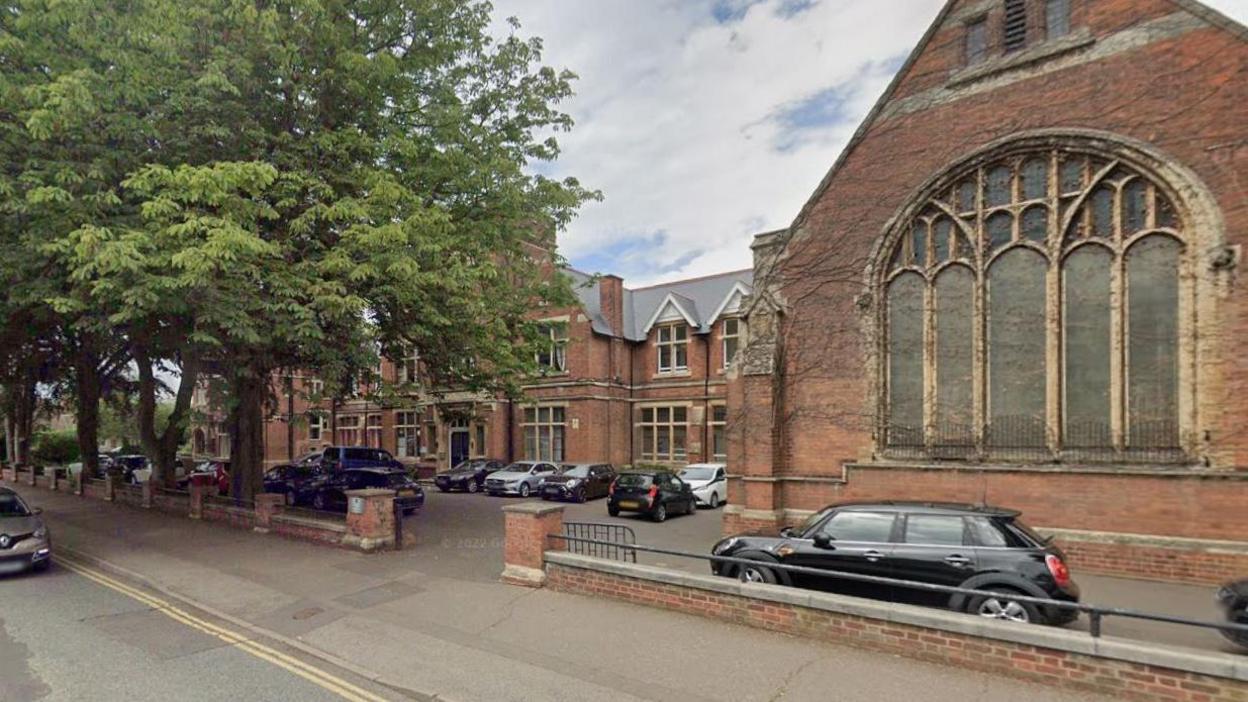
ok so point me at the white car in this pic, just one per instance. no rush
(709, 482)
(521, 478)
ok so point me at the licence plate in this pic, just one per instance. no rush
(552, 491)
(629, 504)
(11, 567)
(406, 493)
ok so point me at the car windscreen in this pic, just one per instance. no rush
(577, 472)
(397, 479)
(633, 480)
(518, 468)
(697, 474)
(812, 520)
(11, 506)
(1018, 525)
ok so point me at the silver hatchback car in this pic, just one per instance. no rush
(24, 539)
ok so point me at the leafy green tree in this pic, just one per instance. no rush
(241, 187)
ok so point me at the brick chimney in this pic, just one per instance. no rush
(611, 300)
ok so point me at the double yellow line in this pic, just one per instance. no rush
(316, 676)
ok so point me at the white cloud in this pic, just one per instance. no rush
(704, 122)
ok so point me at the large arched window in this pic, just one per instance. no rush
(1032, 311)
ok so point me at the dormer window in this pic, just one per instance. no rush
(1014, 27)
(976, 41)
(673, 347)
(1056, 18)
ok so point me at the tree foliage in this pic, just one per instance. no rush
(248, 186)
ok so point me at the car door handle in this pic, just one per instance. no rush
(959, 561)
(873, 555)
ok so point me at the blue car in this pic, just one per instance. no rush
(335, 458)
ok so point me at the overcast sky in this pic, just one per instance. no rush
(704, 122)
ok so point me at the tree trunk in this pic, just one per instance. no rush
(246, 422)
(162, 448)
(87, 412)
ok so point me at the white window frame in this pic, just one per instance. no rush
(316, 426)
(545, 433)
(409, 365)
(737, 337)
(372, 430)
(553, 358)
(669, 340)
(719, 432)
(314, 386)
(406, 428)
(658, 423)
(348, 426)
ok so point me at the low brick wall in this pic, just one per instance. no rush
(1172, 560)
(172, 503)
(1052, 656)
(128, 495)
(93, 489)
(305, 529)
(239, 517)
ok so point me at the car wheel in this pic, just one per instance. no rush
(660, 513)
(714, 503)
(409, 511)
(999, 606)
(524, 489)
(581, 496)
(756, 574)
(318, 502)
(42, 566)
(471, 485)
(444, 488)
(613, 510)
(693, 505)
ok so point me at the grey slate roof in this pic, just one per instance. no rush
(699, 297)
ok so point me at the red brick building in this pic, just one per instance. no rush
(631, 376)
(1020, 283)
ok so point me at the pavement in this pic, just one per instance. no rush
(434, 621)
(69, 635)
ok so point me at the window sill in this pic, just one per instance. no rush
(678, 373)
(1018, 59)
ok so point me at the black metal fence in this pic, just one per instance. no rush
(611, 541)
(1096, 614)
(1024, 439)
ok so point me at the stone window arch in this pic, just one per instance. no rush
(1036, 305)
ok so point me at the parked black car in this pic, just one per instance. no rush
(290, 479)
(981, 548)
(469, 475)
(128, 465)
(653, 493)
(346, 457)
(1233, 598)
(329, 491)
(579, 482)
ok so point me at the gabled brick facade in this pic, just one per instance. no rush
(589, 410)
(1154, 90)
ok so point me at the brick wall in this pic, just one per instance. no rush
(1150, 74)
(1121, 679)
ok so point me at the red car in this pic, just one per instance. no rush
(213, 472)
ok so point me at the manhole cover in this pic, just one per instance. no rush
(307, 613)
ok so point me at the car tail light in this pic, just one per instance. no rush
(1058, 569)
(611, 488)
(654, 491)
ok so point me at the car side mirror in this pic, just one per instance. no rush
(824, 541)
(786, 532)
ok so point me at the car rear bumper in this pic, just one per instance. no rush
(632, 504)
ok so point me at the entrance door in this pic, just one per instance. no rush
(459, 446)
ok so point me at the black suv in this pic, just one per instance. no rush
(329, 492)
(982, 548)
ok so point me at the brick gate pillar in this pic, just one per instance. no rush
(526, 528)
(370, 519)
(110, 487)
(267, 505)
(197, 489)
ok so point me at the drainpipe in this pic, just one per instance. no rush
(511, 431)
(706, 393)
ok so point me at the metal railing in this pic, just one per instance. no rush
(601, 540)
(1096, 614)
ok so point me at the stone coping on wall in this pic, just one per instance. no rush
(1100, 469)
(339, 527)
(1213, 664)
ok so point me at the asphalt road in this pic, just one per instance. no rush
(468, 533)
(65, 635)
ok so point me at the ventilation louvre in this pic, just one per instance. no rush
(1015, 28)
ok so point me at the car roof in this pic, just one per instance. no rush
(706, 465)
(925, 507)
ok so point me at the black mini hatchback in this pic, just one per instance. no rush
(980, 548)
